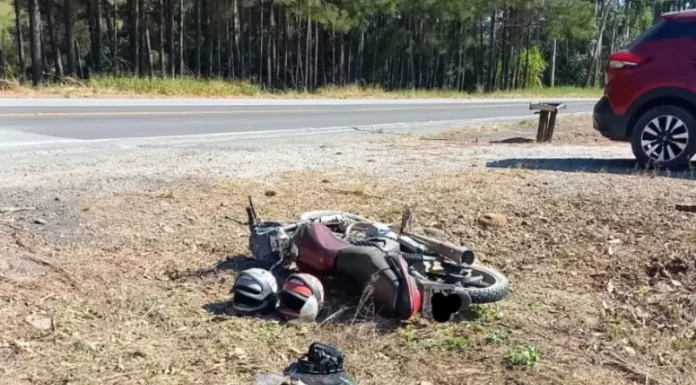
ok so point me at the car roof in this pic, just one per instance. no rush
(680, 15)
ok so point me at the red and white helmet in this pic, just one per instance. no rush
(301, 298)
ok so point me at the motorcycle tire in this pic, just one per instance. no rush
(498, 289)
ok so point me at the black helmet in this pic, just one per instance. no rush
(255, 291)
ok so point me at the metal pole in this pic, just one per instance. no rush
(553, 64)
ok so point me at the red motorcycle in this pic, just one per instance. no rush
(409, 273)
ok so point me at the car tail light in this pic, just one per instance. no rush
(624, 59)
(621, 60)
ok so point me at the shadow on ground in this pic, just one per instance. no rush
(588, 165)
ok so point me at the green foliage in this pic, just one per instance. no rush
(495, 338)
(536, 68)
(523, 356)
(570, 19)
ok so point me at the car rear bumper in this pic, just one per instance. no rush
(608, 123)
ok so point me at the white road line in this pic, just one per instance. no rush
(276, 133)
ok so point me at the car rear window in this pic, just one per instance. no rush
(666, 29)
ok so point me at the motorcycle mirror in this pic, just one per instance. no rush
(405, 219)
(252, 218)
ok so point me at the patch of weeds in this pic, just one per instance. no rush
(409, 333)
(523, 356)
(643, 291)
(675, 311)
(360, 189)
(438, 342)
(428, 344)
(455, 343)
(533, 302)
(684, 342)
(270, 332)
(484, 314)
(491, 337)
(618, 327)
(617, 330)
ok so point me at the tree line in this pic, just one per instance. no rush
(307, 44)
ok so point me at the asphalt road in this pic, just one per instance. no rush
(46, 120)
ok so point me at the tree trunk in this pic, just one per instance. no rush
(80, 68)
(307, 51)
(316, 54)
(181, 38)
(148, 52)
(197, 58)
(492, 63)
(20, 37)
(36, 59)
(163, 70)
(134, 35)
(3, 73)
(208, 40)
(97, 35)
(553, 63)
(526, 81)
(359, 63)
(171, 54)
(114, 37)
(260, 44)
(230, 50)
(218, 38)
(270, 55)
(237, 31)
(57, 57)
(286, 50)
(143, 48)
(598, 45)
(342, 60)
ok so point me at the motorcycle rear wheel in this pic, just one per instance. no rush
(498, 286)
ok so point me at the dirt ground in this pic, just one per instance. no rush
(131, 287)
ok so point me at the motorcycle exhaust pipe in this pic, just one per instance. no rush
(459, 254)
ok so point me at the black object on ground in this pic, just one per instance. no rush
(322, 365)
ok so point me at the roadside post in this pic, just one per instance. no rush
(547, 119)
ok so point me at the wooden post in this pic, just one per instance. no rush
(543, 123)
(547, 119)
(551, 126)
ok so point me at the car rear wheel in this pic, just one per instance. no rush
(665, 136)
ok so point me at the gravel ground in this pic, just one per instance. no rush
(131, 164)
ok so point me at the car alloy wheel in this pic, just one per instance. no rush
(664, 138)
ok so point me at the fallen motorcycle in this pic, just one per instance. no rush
(411, 273)
(429, 259)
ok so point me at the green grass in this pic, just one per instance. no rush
(165, 87)
(173, 87)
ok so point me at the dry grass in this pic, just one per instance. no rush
(109, 86)
(603, 275)
(572, 129)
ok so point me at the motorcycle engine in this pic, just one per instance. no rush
(268, 243)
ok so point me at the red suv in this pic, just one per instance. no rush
(650, 93)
